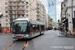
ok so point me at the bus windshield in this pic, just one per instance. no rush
(20, 26)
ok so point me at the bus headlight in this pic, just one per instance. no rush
(27, 35)
(13, 35)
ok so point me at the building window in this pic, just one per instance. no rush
(22, 11)
(26, 7)
(14, 7)
(22, 2)
(6, 7)
(6, 20)
(14, 11)
(26, 15)
(14, 3)
(5, 3)
(18, 15)
(0, 8)
(15, 15)
(6, 24)
(22, 15)
(18, 2)
(26, 3)
(18, 7)
(6, 16)
(26, 11)
(22, 6)
(6, 11)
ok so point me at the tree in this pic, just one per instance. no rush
(1, 15)
(60, 24)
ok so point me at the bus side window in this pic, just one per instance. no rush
(42, 27)
(37, 28)
(31, 27)
(34, 27)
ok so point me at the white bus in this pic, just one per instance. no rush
(24, 28)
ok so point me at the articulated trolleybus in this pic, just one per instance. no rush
(24, 28)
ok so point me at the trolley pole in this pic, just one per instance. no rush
(11, 19)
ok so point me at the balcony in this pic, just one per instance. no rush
(44, 9)
(21, 13)
(10, 1)
(38, 18)
(12, 5)
(38, 14)
(15, 4)
(38, 11)
(12, 9)
(16, 1)
(38, 7)
(6, 9)
(12, 13)
(21, 8)
(17, 9)
(17, 13)
(37, 4)
(21, 4)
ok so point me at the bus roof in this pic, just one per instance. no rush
(29, 20)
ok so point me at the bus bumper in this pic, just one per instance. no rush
(21, 37)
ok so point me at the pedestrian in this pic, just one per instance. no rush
(61, 29)
(0, 29)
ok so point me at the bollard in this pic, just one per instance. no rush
(62, 32)
(70, 32)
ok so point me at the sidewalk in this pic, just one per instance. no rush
(5, 33)
(63, 34)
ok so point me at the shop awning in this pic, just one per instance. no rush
(65, 20)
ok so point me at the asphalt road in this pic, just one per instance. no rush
(48, 41)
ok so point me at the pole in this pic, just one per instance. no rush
(55, 14)
(55, 10)
(17, 10)
(11, 20)
(72, 13)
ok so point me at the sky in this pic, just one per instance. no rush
(58, 7)
(52, 9)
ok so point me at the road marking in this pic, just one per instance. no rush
(10, 45)
(25, 45)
